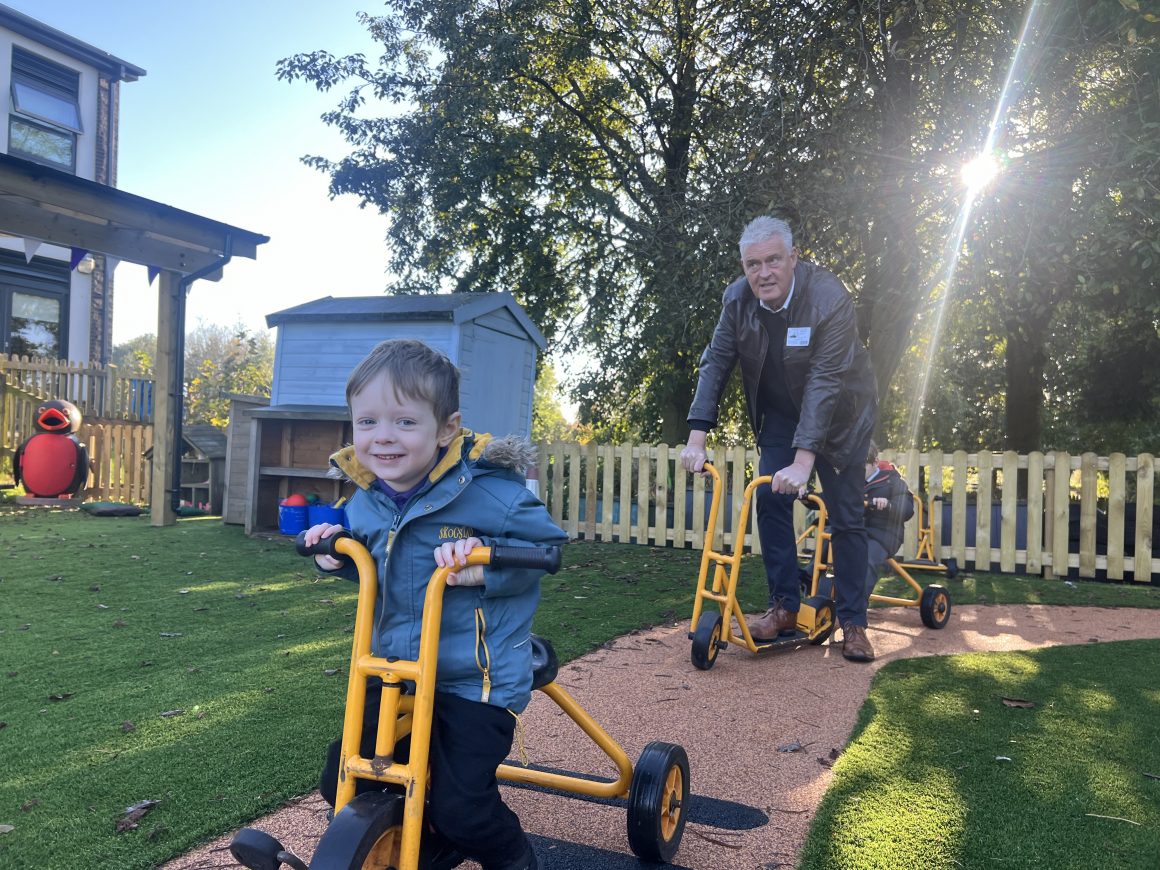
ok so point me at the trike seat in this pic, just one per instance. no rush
(545, 665)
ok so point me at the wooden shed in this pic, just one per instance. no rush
(203, 461)
(487, 335)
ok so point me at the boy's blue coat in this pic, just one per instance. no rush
(476, 490)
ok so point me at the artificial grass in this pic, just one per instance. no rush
(107, 624)
(941, 772)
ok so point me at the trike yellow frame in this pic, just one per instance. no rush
(815, 618)
(933, 601)
(402, 714)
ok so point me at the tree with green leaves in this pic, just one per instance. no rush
(219, 360)
(600, 162)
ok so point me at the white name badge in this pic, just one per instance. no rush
(797, 336)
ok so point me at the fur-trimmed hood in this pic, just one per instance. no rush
(509, 452)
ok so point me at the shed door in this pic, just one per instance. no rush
(498, 385)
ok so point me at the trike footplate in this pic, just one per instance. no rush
(795, 639)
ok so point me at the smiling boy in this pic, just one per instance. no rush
(428, 492)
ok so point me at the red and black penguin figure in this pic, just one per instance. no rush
(53, 462)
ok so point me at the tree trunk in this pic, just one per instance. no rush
(1024, 363)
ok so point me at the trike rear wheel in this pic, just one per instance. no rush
(657, 800)
(935, 606)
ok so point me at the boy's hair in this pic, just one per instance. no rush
(872, 454)
(415, 370)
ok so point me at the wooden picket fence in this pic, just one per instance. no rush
(116, 448)
(1043, 513)
(98, 391)
(119, 470)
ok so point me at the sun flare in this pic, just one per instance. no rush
(979, 172)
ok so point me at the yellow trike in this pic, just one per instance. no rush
(712, 629)
(933, 601)
(384, 830)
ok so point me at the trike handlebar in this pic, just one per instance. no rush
(545, 558)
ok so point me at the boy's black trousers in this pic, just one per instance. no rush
(469, 740)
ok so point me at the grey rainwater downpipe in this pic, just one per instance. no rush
(179, 398)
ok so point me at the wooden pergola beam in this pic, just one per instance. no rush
(58, 208)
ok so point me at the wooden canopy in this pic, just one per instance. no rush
(61, 209)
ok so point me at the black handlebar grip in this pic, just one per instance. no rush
(325, 547)
(546, 558)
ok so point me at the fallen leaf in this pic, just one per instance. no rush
(56, 577)
(790, 747)
(61, 696)
(6, 829)
(829, 760)
(102, 607)
(330, 672)
(1002, 758)
(171, 634)
(119, 623)
(1018, 702)
(133, 815)
(28, 804)
(128, 727)
(169, 714)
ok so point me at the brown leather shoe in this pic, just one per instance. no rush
(770, 624)
(855, 645)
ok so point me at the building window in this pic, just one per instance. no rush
(33, 306)
(46, 114)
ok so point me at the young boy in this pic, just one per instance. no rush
(889, 504)
(428, 492)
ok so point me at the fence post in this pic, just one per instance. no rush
(1145, 487)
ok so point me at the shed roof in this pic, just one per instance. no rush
(454, 307)
(206, 439)
(114, 67)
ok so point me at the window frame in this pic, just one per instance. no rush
(42, 277)
(55, 81)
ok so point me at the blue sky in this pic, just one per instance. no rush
(210, 130)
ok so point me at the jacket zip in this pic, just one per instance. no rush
(481, 642)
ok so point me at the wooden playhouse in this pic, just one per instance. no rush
(284, 447)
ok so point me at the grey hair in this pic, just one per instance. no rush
(763, 228)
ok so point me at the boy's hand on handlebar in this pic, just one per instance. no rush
(317, 533)
(453, 553)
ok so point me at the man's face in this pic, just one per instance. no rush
(769, 270)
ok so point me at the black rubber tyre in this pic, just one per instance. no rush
(256, 849)
(952, 568)
(705, 641)
(367, 833)
(825, 619)
(935, 606)
(657, 800)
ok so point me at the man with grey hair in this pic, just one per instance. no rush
(812, 401)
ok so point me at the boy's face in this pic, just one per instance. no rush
(396, 437)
